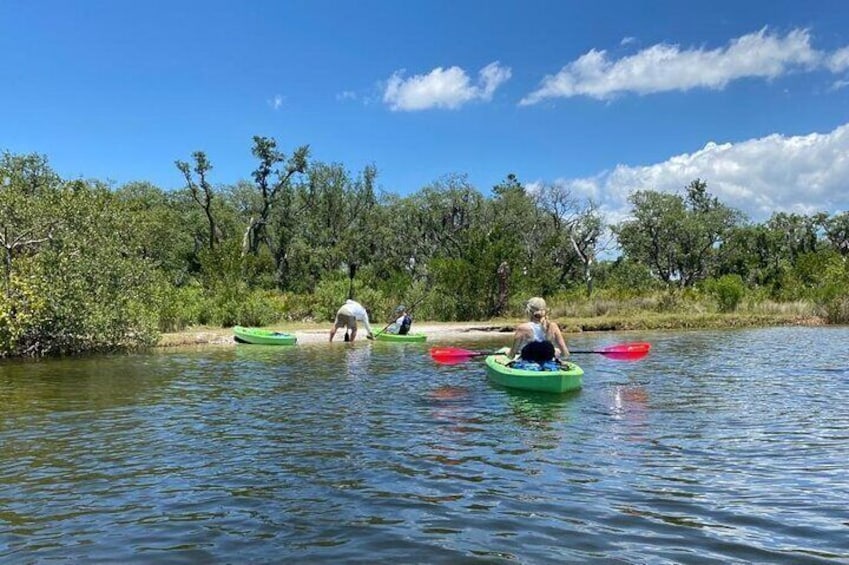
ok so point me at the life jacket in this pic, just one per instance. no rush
(538, 351)
(405, 325)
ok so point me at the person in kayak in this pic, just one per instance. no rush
(401, 324)
(347, 317)
(534, 341)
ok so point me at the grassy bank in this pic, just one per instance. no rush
(693, 321)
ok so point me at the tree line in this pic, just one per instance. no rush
(93, 267)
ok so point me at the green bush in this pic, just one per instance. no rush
(727, 290)
(837, 310)
(181, 307)
(624, 279)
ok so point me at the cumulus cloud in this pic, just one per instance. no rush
(776, 173)
(664, 67)
(443, 88)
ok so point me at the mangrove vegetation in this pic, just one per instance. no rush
(89, 266)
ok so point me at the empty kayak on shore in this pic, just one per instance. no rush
(570, 378)
(260, 336)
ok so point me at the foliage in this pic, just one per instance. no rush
(625, 278)
(728, 290)
(677, 236)
(87, 288)
(88, 268)
(330, 294)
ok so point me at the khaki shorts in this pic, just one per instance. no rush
(346, 320)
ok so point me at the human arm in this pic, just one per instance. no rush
(395, 325)
(370, 333)
(521, 336)
(558, 340)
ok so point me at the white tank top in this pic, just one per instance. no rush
(539, 331)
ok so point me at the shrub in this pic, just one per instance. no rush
(181, 307)
(727, 290)
(837, 310)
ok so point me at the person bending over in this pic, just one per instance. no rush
(347, 317)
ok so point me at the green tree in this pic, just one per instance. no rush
(275, 189)
(88, 286)
(29, 190)
(334, 230)
(164, 238)
(836, 230)
(677, 237)
(201, 191)
(576, 229)
(513, 239)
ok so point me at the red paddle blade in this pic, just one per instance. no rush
(627, 351)
(452, 354)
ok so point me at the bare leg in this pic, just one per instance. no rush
(353, 333)
(333, 331)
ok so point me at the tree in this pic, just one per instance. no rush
(652, 236)
(87, 285)
(677, 237)
(708, 223)
(165, 233)
(513, 235)
(29, 188)
(799, 234)
(577, 228)
(334, 230)
(201, 191)
(836, 229)
(275, 190)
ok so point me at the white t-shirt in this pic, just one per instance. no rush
(355, 309)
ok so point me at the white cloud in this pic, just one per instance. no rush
(664, 67)
(443, 88)
(776, 173)
(277, 102)
(838, 84)
(839, 60)
(346, 95)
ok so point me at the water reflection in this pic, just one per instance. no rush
(542, 410)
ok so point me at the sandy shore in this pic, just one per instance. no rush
(438, 333)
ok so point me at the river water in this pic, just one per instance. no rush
(719, 447)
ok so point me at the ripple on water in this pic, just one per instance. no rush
(720, 447)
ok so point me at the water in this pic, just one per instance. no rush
(719, 447)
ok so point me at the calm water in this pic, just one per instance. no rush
(720, 447)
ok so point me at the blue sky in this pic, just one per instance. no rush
(603, 97)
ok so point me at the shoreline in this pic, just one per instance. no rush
(440, 332)
(436, 332)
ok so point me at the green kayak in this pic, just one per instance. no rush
(545, 381)
(382, 336)
(263, 337)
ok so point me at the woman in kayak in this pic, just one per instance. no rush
(347, 317)
(401, 325)
(535, 339)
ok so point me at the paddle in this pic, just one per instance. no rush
(622, 352)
